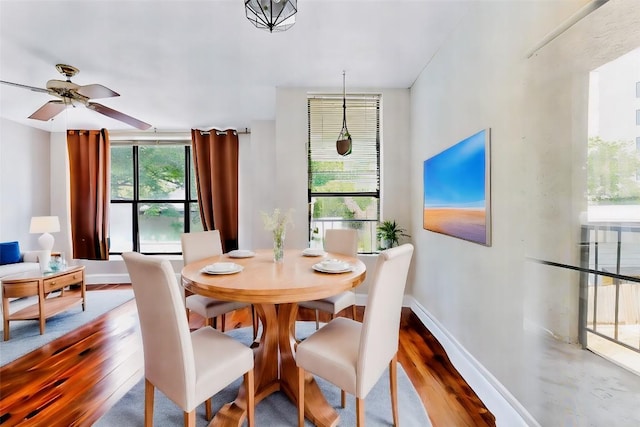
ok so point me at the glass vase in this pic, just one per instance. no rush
(278, 247)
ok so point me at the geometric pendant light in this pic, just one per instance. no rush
(272, 15)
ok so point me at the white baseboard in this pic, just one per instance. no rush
(502, 404)
(361, 299)
(103, 279)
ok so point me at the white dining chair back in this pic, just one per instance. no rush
(354, 355)
(381, 323)
(200, 245)
(197, 246)
(342, 241)
(158, 300)
(189, 368)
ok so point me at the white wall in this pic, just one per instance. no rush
(289, 177)
(290, 173)
(273, 173)
(246, 183)
(24, 181)
(536, 109)
(60, 202)
(557, 103)
(274, 168)
(474, 83)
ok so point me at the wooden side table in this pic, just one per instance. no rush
(42, 284)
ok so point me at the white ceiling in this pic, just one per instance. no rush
(198, 64)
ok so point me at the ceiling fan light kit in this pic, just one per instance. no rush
(271, 15)
(343, 144)
(70, 93)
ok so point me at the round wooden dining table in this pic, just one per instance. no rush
(275, 290)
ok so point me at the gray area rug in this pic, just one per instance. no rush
(25, 334)
(277, 409)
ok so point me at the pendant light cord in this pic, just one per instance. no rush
(343, 144)
(344, 102)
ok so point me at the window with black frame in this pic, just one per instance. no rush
(344, 191)
(153, 197)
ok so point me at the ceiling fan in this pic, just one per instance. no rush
(70, 93)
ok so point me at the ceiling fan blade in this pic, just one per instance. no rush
(33, 88)
(118, 115)
(49, 110)
(96, 91)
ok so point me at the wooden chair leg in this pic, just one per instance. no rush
(223, 321)
(190, 419)
(359, 412)
(184, 300)
(211, 321)
(317, 321)
(207, 409)
(353, 312)
(343, 398)
(254, 322)
(300, 397)
(393, 382)
(251, 401)
(148, 403)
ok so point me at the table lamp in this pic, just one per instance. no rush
(45, 225)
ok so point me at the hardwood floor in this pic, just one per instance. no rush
(75, 379)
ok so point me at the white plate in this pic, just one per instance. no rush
(321, 269)
(222, 268)
(313, 252)
(241, 253)
(334, 264)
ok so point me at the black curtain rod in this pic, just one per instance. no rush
(246, 131)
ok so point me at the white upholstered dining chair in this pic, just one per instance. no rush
(189, 368)
(353, 355)
(345, 242)
(197, 246)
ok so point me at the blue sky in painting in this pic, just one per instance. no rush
(456, 176)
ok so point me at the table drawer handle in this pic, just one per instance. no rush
(53, 283)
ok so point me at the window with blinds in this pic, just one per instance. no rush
(344, 192)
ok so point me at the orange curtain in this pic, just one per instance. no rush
(90, 174)
(215, 159)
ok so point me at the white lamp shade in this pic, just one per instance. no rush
(44, 224)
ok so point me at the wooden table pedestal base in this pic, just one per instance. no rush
(278, 339)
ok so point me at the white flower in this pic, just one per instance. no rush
(277, 222)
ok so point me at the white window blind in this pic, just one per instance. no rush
(344, 192)
(358, 172)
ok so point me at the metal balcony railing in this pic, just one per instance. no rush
(610, 282)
